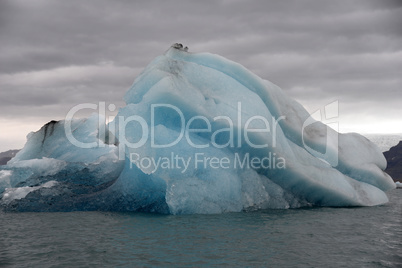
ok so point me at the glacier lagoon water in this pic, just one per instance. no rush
(314, 237)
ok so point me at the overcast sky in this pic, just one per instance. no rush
(57, 54)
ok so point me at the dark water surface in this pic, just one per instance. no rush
(319, 237)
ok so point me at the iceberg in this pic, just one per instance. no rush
(199, 134)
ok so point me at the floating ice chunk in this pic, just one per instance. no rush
(199, 134)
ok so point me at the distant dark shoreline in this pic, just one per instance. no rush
(7, 155)
(394, 162)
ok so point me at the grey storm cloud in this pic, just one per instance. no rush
(56, 54)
